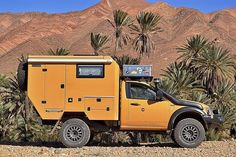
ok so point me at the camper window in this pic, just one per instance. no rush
(90, 71)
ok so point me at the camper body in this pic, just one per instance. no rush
(86, 94)
(65, 85)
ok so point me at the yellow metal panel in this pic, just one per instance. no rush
(148, 115)
(79, 88)
(46, 86)
(99, 105)
(99, 110)
(36, 87)
(54, 94)
(36, 91)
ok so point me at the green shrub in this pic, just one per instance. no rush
(214, 135)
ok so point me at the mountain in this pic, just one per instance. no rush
(35, 33)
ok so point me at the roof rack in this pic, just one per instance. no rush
(137, 72)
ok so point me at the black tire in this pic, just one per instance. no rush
(74, 133)
(189, 133)
(91, 137)
(172, 137)
(22, 75)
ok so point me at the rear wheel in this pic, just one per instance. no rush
(189, 133)
(74, 133)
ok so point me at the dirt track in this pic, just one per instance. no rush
(207, 149)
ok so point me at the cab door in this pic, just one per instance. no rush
(145, 112)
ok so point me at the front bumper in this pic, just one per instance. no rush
(215, 121)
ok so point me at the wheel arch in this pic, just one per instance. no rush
(187, 112)
(98, 125)
(70, 115)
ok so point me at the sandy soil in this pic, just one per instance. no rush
(207, 149)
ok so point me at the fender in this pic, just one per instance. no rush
(180, 111)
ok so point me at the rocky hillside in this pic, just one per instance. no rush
(35, 33)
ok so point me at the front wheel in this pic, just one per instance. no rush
(74, 133)
(189, 133)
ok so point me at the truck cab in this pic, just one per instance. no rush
(142, 109)
(86, 94)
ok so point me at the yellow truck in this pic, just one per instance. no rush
(86, 94)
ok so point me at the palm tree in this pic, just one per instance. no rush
(169, 86)
(179, 80)
(59, 52)
(3, 80)
(234, 58)
(200, 96)
(147, 26)
(224, 94)
(192, 49)
(16, 107)
(213, 65)
(121, 19)
(14, 102)
(229, 114)
(98, 42)
(126, 59)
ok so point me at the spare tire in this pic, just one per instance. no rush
(22, 72)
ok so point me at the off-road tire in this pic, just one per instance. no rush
(22, 75)
(74, 133)
(189, 133)
(91, 137)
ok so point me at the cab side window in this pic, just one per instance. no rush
(137, 91)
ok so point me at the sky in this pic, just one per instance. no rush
(62, 6)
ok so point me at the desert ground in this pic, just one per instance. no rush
(207, 149)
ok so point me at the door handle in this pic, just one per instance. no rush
(135, 104)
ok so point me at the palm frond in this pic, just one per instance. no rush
(180, 79)
(126, 59)
(192, 49)
(213, 65)
(98, 42)
(59, 52)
